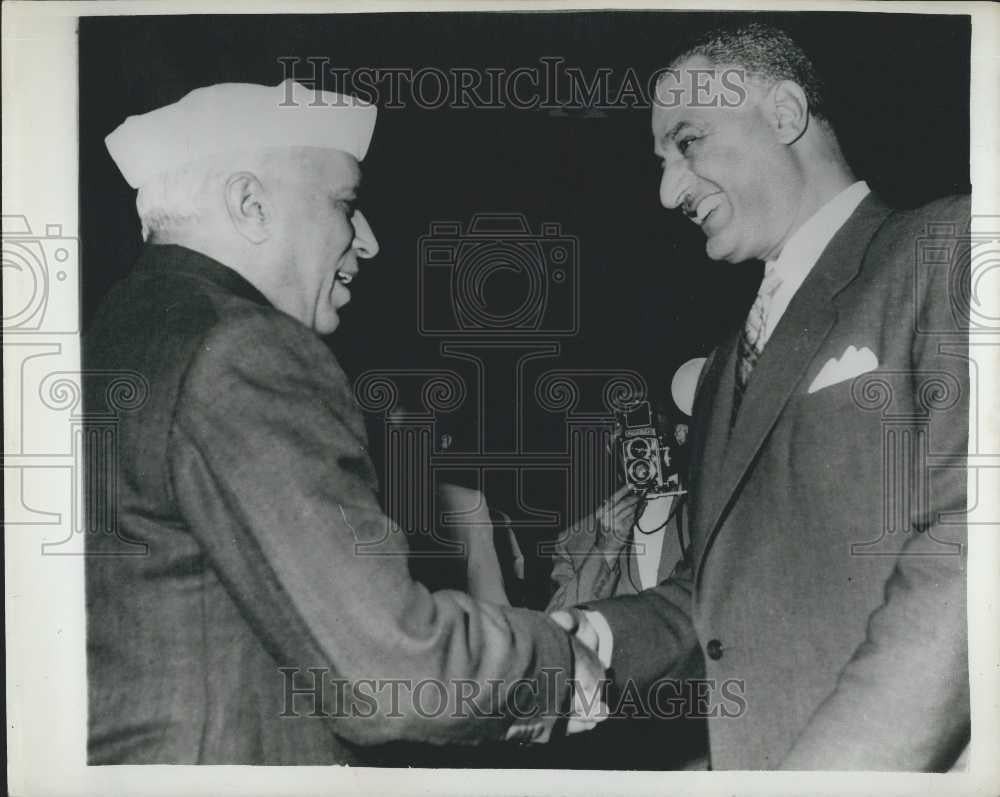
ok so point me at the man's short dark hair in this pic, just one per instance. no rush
(764, 51)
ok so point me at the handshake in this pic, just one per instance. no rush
(607, 530)
(588, 683)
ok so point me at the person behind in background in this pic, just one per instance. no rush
(631, 543)
(633, 540)
(465, 546)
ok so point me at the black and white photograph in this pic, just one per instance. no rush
(548, 399)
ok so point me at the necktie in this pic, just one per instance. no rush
(753, 337)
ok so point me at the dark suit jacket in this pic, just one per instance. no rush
(827, 528)
(245, 477)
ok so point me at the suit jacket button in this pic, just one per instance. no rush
(714, 649)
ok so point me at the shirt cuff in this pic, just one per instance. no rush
(605, 639)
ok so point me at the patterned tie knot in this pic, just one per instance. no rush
(752, 339)
(753, 330)
(757, 318)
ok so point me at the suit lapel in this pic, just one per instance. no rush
(713, 402)
(793, 344)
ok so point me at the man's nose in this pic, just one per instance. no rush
(676, 184)
(365, 241)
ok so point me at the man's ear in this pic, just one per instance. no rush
(789, 111)
(249, 207)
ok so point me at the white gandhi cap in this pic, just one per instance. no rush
(238, 116)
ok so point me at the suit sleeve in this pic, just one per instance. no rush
(902, 701)
(654, 636)
(269, 471)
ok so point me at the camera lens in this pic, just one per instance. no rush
(640, 471)
(639, 448)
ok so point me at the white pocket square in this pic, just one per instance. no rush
(853, 362)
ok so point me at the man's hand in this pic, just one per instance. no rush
(589, 679)
(589, 683)
(575, 623)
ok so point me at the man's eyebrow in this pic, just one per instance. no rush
(353, 184)
(350, 190)
(671, 134)
(662, 141)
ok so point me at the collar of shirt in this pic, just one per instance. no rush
(804, 248)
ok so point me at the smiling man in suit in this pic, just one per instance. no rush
(827, 483)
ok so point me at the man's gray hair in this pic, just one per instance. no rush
(175, 199)
(765, 52)
(190, 194)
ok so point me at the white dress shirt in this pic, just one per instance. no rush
(797, 258)
(803, 249)
(649, 545)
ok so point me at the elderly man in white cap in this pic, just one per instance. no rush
(258, 627)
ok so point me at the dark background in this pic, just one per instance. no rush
(899, 84)
(898, 87)
(649, 298)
